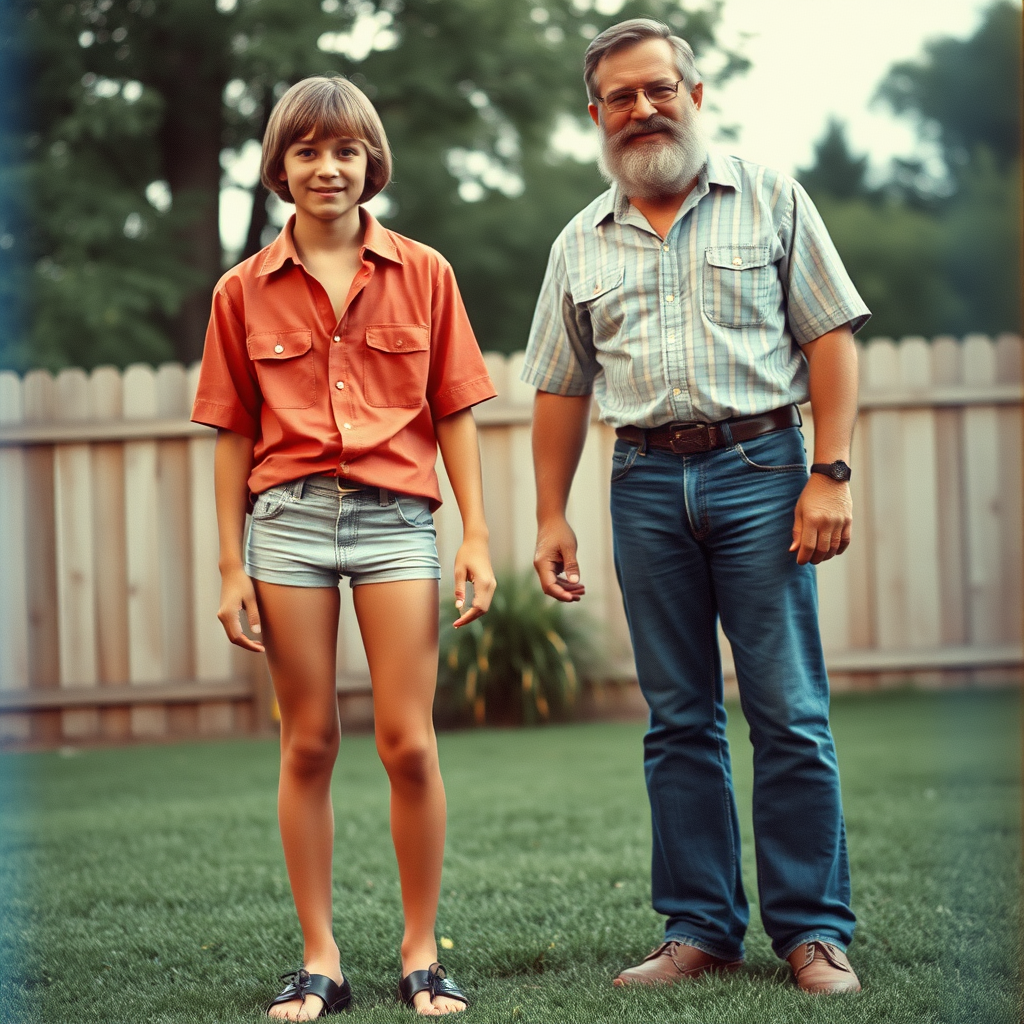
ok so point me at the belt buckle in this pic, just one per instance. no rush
(687, 438)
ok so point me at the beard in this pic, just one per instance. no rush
(653, 170)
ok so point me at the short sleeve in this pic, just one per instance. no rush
(228, 394)
(819, 293)
(560, 356)
(458, 377)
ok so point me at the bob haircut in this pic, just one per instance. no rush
(629, 33)
(325, 107)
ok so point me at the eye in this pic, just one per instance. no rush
(661, 93)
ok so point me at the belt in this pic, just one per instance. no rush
(690, 438)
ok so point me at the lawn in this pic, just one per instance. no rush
(147, 884)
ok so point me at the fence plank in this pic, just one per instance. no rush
(887, 503)
(983, 520)
(14, 635)
(142, 519)
(947, 371)
(1008, 369)
(109, 547)
(76, 580)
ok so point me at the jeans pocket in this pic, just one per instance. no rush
(271, 502)
(781, 451)
(413, 510)
(623, 458)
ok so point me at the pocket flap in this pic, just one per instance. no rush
(738, 257)
(279, 344)
(398, 338)
(597, 285)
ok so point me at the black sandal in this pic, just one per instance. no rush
(434, 980)
(301, 984)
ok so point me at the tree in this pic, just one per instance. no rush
(136, 103)
(938, 256)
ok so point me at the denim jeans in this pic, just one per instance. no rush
(698, 538)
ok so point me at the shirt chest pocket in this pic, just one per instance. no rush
(396, 367)
(601, 297)
(285, 367)
(737, 284)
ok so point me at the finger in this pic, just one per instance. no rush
(571, 569)
(232, 624)
(845, 537)
(252, 612)
(798, 529)
(807, 544)
(460, 585)
(823, 547)
(469, 615)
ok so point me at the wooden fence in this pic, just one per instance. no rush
(109, 585)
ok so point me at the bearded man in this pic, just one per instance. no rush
(700, 300)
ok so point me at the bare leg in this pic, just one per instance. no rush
(398, 622)
(300, 631)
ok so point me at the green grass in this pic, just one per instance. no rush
(147, 884)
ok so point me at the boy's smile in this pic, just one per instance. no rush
(326, 178)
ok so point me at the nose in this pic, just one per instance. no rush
(642, 108)
(328, 167)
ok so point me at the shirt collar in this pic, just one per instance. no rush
(376, 238)
(717, 171)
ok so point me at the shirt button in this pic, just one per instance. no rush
(348, 426)
(399, 343)
(279, 348)
(337, 337)
(670, 298)
(664, 248)
(676, 391)
(737, 262)
(340, 385)
(344, 467)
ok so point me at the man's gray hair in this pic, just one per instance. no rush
(628, 33)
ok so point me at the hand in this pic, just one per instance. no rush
(822, 521)
(555, 561)
(473, 563)
(236, 594)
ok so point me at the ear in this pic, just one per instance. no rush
(592, 110)
(698, 94)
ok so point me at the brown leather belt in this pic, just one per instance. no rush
(690, 438)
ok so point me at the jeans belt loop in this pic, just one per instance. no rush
(297, 487)
(384, 497)
(726, 430)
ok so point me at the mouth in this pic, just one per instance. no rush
(327, 191)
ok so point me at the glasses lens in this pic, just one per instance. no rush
(620, 101)
(661, 93)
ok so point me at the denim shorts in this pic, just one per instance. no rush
(310, 533)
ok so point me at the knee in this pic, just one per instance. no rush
(311, 753)
(408, 762)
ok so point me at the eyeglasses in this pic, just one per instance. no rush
(620, 102)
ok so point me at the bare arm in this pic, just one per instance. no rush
(559, 431)
(232, 464)
(457, 439)
(824, 514)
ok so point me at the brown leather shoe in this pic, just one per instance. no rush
(672, 962)
(822, 968)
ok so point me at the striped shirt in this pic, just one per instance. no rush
(704, 325)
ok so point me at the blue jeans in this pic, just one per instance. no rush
(699, 537)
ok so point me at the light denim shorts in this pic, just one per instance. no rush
(310, 533)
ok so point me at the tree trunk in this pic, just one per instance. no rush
(258, 218)
(190, 140)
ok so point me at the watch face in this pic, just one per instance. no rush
(840, 470)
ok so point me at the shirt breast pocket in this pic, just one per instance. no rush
(737, 284)
(285, 367)
(397, 365)
(602, 296)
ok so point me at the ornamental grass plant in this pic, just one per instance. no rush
(521, 664)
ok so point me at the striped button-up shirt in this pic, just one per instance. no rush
(703, 325)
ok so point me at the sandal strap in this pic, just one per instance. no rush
(301, 984)
(434, 980)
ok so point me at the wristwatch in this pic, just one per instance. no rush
(838, 470)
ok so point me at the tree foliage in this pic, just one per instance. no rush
(115, 174)
(938, 255)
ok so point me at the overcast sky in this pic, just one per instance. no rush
(816, 58)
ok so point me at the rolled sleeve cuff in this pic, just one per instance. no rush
(810, 330)
(226, 417)
(570, 387)
(462, 396)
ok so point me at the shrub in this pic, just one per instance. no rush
(518, 665)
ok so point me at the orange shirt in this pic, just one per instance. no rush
(355, 397)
